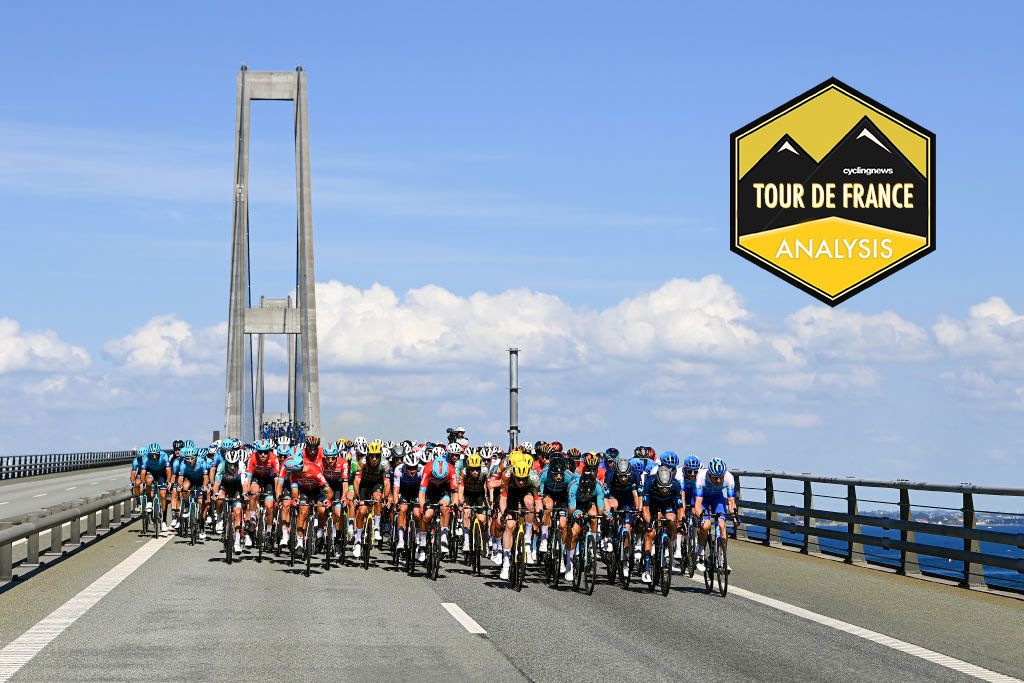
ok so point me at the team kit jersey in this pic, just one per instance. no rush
(714, 496)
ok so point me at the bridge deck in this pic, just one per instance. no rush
(386, 625)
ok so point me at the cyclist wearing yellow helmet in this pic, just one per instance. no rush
(473, 494)
(520, 486)
(371, 483)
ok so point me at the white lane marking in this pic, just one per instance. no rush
(875, 637)
(5, 502)
(29, 644)
(39, 495)
(71, 488)
(93, 482)
(463, 618)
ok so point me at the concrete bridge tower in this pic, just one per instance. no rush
(296, 318)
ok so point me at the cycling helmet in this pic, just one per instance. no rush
(154, 449)
(411, 460)
(188, 452)
(663, 479)
(637, 465)
(612, 452)
(558, 465)
(556, 446)
(177, 445)
(374, 448)
(284, 451)
(474, 461)
(227, 444)
(423, 457)
(528, 448)
(639, 452)
(283, 441)
(312, 441)
(189, 443)
(360, 442)
(293, 463)
(622, 469)
(692, 463)
(141, 451)
(453, 449)
(670, 458)
(264, 445)
(459, 430)
(437, 451)
(331, 450)
(439, 470)
(573, 453)
(233, 457)
(587, 483)
(716, 468)
(407, 444)
(487, 445)
(521, 468)
(591, 460)
(541, 447)
(651, 453)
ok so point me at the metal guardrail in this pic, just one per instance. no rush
(103, 513)
(798, 521)
(16, 466)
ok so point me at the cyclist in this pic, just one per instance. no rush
(138, 465)
(283, 453)
(623, 493)
(405, 491)
(175, 458)
(312, 450)
(472, 492)
(230, 482)
(308, 487)
(262, 469)
(335, 469)
(520, 486)
(714, 492)
(436, 488)
(591, 462)
(555, 482)
(687, 478)
(662, 499)
(671, 460)
(371, 482)
(157, 471)
(192, 473)
(642, 464)
(586, 497)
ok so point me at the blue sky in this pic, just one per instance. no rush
(576, 150)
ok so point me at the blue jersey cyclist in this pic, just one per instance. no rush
(555, 481)
(586, 497)
(192, 472)
(157, 470)
(662, 499)
(138, 463)
(715, 493)
(623, 485)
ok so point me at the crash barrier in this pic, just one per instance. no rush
(17, 466)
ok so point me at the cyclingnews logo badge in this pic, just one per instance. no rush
(832, 192)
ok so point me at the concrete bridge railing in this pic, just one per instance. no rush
(17, 466)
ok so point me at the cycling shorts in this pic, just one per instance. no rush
(435, 496)
(667, 506)
(473, 498)
(266, 483)
(625, 500)
(366, 491)
(311, 496)
(716, 504)
(559, 498)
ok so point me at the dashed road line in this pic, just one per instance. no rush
(875, 637)
(39, 495)
(460, 616)
(71, 488)
(20, 651)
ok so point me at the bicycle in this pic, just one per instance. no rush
(586, 559)
(691, 545)
(476, 539)
(553, 558)
(192, 519)
(433, 548)
(229, 526)
(367, 546)
(661, 558)
(517, 556)
(716, 566)
(143, 501)
(453, 527)
(622, 546)
(157, 512)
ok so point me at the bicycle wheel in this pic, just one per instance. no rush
(692, 544)
(625, 557)
(157, 516)
(590, 566)
(655, 559)
(476, 545)
(310, 539)
(292, 540)
(666, 565)
(367, 546)
(578, 560)
(609, 559)
(453, 546)
(329, 541)
(229, 536)
(276, 536)
(410, 544)
(435, 549)
(343, 537)
(143, 501)
(193, 523)
(721, 568)
(709, 565)
(520, 559)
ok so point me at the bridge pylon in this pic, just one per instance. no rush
(243, 399)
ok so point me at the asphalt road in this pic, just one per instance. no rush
(20, 496)
(185, 614)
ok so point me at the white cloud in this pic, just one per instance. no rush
(168, 346)
(41, 351)
(839, 335)
(992, 329)
(744, 437)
